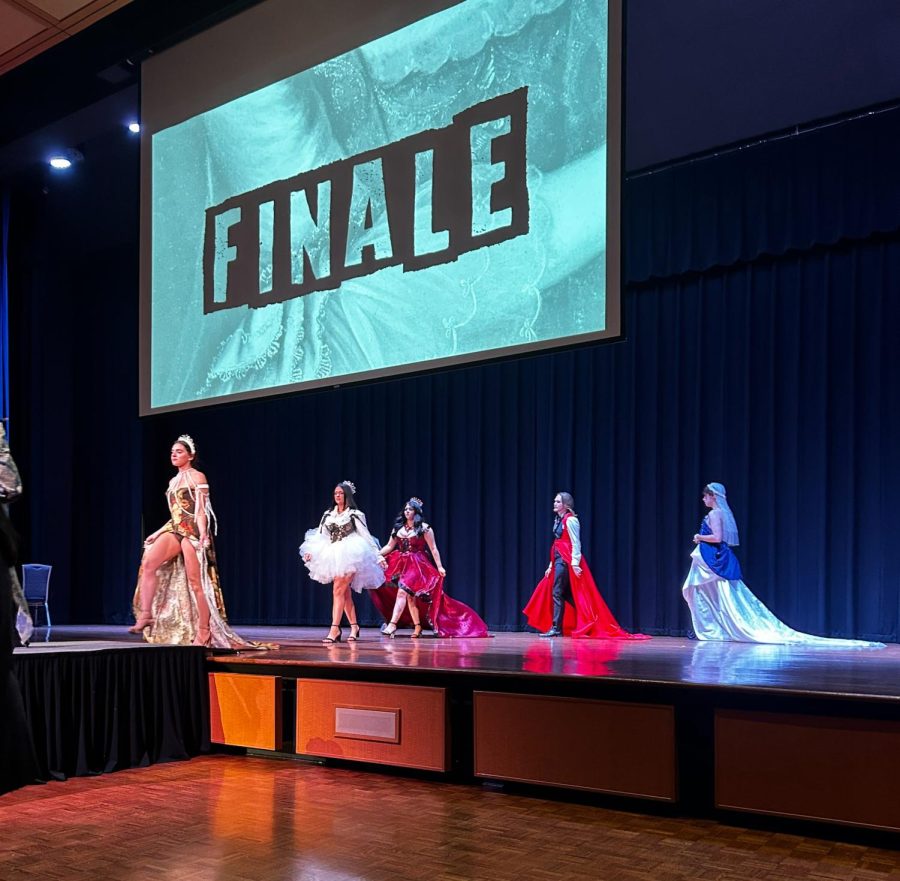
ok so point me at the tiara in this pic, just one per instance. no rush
(351, 484)
(417, 500)
(188, 441)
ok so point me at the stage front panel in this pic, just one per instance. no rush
(399, 725)
(245, 710)
(814, 767)
(602, 746)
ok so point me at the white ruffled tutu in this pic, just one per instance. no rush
(353, 554)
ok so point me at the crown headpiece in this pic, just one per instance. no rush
(417, 500)
(188, 441)
(351, 484)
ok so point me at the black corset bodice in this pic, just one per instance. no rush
(410, 544)
(337, 533)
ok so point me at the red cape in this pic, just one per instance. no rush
(590, 617)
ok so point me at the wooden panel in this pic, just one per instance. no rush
(397, 725)
(60, 9)
(816, 767)
(245, 710)
(18, 26)
(602, 746)
(29, 27)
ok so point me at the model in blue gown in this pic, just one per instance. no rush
(722, 606)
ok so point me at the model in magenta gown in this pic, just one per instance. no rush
(413, 584)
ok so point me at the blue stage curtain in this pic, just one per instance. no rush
(4, 307)
(759, 356)
(840, 182)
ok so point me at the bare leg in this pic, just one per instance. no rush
(192, 570)
(161, 551)
(399, 606)
(414, 614)
(350, 612)
(340, 597)
(349, 607)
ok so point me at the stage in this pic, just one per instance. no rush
(705, 728)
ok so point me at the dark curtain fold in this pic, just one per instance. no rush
(775, 375)
(94, 712)
(816, 188)
(4, 305)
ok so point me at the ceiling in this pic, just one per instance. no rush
(700, 73)
(28, 27)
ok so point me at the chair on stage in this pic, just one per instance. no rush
(36, 587)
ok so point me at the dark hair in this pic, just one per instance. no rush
(567, 500)
(349, 497)
(418, 522)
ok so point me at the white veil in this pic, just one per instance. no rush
(729, 526)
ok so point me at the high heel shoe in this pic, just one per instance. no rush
(142, 622)
(354, 633)
(417, 631)
(332, 639)
(202, 640)
(390, 629)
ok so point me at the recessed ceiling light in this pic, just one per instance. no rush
(65, 158)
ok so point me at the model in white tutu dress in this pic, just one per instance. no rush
(342, 552)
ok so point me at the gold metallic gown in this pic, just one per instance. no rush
(174, 609)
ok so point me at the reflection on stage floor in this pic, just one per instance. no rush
(863, 673)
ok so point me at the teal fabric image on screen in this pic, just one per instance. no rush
(436, 194)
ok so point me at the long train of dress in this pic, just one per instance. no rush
(724, 608)
(410, 569)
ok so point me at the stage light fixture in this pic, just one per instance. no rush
(65, 158)
(134, 127)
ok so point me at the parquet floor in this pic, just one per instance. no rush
(251, 819)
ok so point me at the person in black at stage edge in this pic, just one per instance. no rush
(17, 761)
(10, 490)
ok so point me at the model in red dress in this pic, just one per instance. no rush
(566, 601)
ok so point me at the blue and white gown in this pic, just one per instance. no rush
(724, 608)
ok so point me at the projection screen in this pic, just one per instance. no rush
(336, 196)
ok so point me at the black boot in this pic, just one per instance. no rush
(559, 607)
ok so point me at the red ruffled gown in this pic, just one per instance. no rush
(409, 565)
(590, 617)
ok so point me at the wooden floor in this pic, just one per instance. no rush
(240, 818)
(846, 673)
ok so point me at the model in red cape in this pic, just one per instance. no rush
(566, 601)
(413, 584)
